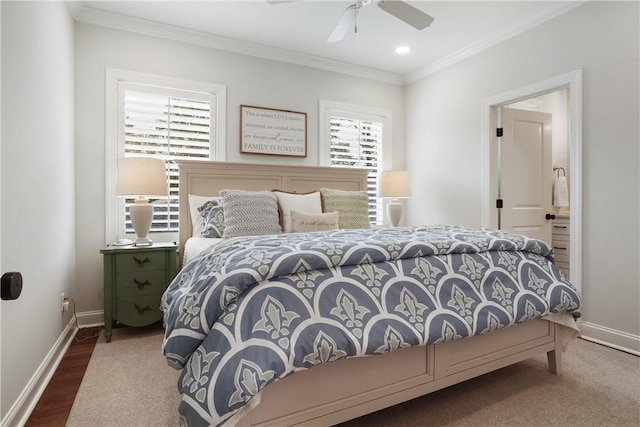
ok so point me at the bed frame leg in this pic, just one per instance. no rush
(554, 358)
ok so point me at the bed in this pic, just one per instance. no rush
(320, 327)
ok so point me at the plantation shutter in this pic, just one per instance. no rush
(358, 143)
(171, 125)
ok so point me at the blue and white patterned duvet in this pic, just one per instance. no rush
(254, 310)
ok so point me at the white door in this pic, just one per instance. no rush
(526, 173)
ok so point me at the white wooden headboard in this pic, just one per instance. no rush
(208, 178)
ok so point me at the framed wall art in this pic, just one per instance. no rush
(273, 131)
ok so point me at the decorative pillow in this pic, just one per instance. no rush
(303, 202)
(302, 222)
(214, 222)
(250, 213)
(352, 206)
(199, 212)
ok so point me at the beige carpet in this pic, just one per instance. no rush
(128, 383)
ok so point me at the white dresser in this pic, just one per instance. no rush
(561, 242)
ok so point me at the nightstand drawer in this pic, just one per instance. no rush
(560, 228)
(561, 249)
(140, 283)
(138, 311)
(561, 256)
(141, 260)
(134, 281)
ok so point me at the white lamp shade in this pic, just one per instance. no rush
(395, 184)
(141, 176)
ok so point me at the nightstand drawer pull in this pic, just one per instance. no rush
(140, 284)
(141, 310)
(141, 262)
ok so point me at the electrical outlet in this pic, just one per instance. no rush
(63, 301)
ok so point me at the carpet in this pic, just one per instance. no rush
(128, 383)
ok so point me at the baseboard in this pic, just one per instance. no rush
(610, 337)
(19, 413)
(90, 319)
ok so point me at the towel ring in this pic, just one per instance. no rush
(559, 168)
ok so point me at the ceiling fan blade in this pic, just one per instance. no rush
(345, 24)
(407, 13)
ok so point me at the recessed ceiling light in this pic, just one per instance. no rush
(401, 50)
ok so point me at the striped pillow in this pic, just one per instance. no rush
(352, 207)
(249, 213)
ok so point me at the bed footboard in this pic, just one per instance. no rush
(347, 389)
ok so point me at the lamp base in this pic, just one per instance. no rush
(142, 241)
(394, 210)
(141, 213)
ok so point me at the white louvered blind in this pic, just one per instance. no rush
(358, 143)
(171, 125)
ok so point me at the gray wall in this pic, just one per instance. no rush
(38, 196)
(444, 135)
(249, 80)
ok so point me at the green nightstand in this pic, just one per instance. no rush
(134, 279)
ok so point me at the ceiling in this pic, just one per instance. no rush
(296, 31)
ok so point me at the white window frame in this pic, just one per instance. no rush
(327, 109)
(113, 150)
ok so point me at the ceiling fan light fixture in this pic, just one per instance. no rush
(403, 50)
(400, 9)
(346, 23)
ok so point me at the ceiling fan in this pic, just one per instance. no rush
(400, 9)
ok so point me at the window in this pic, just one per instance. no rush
(169, 125)
(168, 119)
(354, 136)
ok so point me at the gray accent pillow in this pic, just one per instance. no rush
(199, 211)
(352, 207)
(250, 213)
(206, 207)
(214, 222)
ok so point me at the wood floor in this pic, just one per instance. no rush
(54, 406)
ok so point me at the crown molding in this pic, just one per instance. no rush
(89, 15)
(487, 42)
(74, 8)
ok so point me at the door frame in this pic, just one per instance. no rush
(489, 182)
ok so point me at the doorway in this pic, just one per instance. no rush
(572, 82)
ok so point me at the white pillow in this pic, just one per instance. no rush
(197, 220)
(307, 202)
(302, 222)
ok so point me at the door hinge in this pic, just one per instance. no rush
(499, 132)
(499, 203)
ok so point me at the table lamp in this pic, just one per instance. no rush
(394, 185)
(140, 177)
